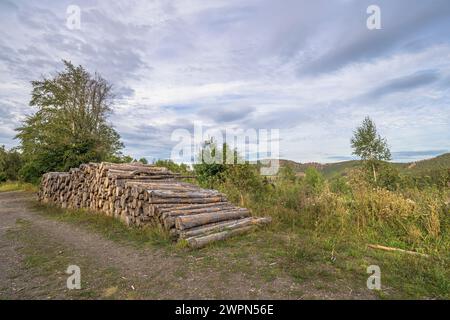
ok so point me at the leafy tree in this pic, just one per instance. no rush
(211, 167)
(314, 180)
(119, 158)
(10, 164)
(369, 146)
(172, 166)
(245, 179)
(143, 160)
(2, 164)
(223, 168)
(70, 126)
(287, 173)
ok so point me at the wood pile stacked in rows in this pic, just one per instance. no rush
(142, 194)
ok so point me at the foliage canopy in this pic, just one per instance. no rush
(70, 126)
(370, 146)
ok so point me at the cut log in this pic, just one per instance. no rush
(199, 242)
(144, 194)
(178, 212)
(186, 222)
(222, 226)
(169, 207)
(187, 200)
(183, 194)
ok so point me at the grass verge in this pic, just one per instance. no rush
(17, 186)
(43, 261)
(330, 267)
(109, 227)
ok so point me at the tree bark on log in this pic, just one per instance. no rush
(186, 222)
(200, 242)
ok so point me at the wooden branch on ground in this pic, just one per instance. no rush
(376, 246)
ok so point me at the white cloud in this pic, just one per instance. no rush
(186, 61)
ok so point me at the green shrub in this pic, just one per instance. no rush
(340, 185)
(10, 164)
(314, 180)
(346, 207)
(172, 166)
(287, 173)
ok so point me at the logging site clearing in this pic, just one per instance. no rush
(39, 242)
(225, 150)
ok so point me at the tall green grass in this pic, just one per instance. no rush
(17, 186)
(110, 227)
(315, 220)
(412, 219)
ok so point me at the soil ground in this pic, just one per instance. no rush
(36, 250)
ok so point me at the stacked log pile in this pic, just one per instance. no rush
(141, 194)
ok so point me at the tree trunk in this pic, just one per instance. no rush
(191, 221)
(374, 172)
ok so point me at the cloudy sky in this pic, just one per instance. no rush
(309, 68)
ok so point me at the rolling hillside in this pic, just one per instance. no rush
(341, 168)
(437, 163)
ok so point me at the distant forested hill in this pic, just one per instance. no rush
(437, 163)
(341, 168)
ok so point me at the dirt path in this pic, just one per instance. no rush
(35, 252)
